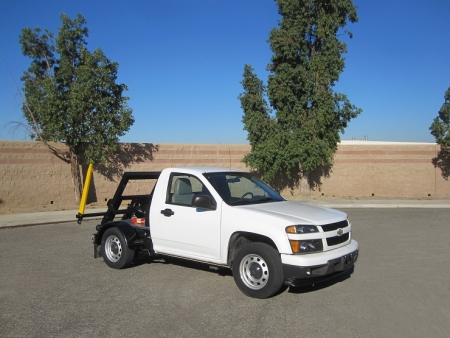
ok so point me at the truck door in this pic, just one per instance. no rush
(184, 230)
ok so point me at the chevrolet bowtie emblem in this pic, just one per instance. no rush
(340, 232)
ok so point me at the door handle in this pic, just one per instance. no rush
(167, 212)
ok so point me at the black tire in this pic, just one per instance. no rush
(257, 270)
(115, 251)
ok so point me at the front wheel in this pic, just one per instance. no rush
(257, 270)
(115, 251)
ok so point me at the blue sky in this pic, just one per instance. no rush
(183, 62)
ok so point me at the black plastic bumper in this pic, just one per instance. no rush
(300, 275)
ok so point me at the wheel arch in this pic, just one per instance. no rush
(238, 239)
(128, 232)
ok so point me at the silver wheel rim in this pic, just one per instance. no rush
(254, 271)
(113, 248)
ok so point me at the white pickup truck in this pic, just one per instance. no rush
(226, 218)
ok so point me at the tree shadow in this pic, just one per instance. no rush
(442, 161)
(315, 177)
(116, 162)
(126, 155)
(290, 181)
(296, 180)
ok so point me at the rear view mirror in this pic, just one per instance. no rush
(204, 202)
(233, 180)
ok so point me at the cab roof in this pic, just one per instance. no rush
(206, 169)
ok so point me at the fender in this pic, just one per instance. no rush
(129, 233)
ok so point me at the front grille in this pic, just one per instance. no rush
(337, 239)
(335, 226)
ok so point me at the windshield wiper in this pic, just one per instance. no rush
(242, 202)
(262, 200)
(266, 199)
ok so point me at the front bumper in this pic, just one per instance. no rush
(314, 268)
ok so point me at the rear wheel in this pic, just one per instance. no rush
(115, 251)
(257, 270)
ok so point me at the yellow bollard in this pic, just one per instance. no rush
(87, 184)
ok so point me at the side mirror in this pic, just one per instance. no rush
(204, 202)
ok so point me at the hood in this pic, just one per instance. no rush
(297, 212)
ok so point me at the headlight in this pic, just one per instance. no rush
(306, 246)
(301, 229)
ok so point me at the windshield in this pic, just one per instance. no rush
(239, 188)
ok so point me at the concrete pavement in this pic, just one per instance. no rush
(43, 217)
(47, 217)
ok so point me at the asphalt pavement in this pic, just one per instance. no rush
(51, 286)
(48, 217)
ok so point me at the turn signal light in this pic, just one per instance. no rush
(295, 245)
(306, 246)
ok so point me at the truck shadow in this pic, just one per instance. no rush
(322, 285)
(226, 272)
(167, 260)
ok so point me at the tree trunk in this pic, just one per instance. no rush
(76, 174)
(305, 188)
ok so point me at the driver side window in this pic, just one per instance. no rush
(183, 188)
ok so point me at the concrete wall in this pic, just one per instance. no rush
(387, 170)
(30, 175)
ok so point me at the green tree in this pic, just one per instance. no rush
(440, 129)
(301, 130)
(71, 94)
